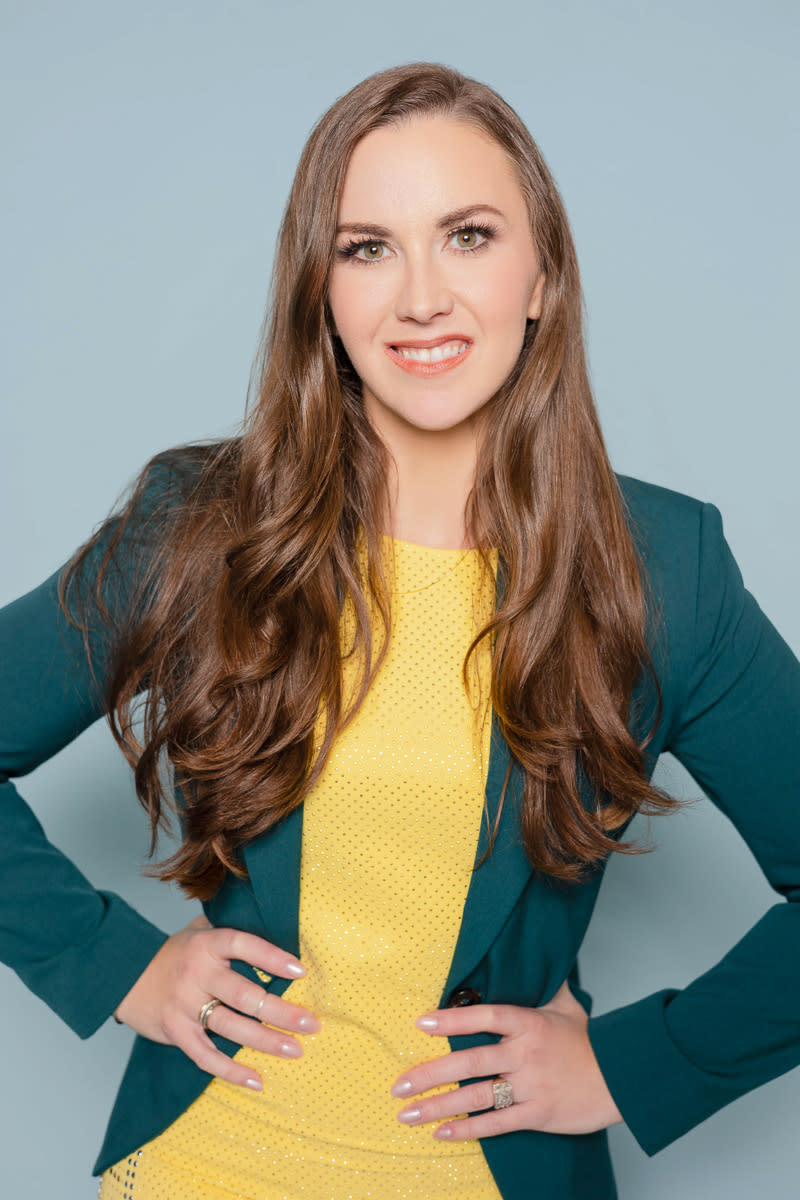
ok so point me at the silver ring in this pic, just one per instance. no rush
(503, 1093)
(206, 1011)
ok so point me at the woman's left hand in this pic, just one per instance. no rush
(545, 1055)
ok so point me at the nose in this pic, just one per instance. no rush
(422, 292)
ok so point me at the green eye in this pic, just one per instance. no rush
(362, 252)
(472, 238)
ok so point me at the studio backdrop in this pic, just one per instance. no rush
(147, 154)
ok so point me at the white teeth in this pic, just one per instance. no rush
(435, 354)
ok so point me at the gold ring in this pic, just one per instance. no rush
(503, 1094)
(206, 1011)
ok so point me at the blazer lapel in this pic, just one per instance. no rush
(273, 864)
(497, 883)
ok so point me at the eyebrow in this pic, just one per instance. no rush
(451, 218)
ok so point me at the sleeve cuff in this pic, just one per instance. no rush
(85, 983)
(659, 1092)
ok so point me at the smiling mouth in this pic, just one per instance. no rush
(432, 353)
(430, 360)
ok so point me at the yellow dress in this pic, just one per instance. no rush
(389, 839)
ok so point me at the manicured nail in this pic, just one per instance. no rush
(403, 1089)
(254, 1084)
(427, 1023)
(309, 1025)
(410, 1116)
(443, 1131)
(289, 1050)
(296, 970)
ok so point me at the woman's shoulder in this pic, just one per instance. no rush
(655, 512)
(694, 584)
(179, 473)
(126, 554)
(671, 531)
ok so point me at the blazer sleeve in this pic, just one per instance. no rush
(77, 948)
(673, 1058)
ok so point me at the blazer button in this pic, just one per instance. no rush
(462, 997)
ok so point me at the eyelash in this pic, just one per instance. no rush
(349, 251)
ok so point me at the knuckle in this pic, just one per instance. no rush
(473, 1064)
(234, 947)
(492, 1015)
(239, 995)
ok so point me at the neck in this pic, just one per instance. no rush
(432, 474)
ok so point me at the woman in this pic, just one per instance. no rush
(412, 651)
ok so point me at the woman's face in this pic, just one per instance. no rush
(435, 273)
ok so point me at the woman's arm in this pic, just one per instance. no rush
(79, 949)
(85, 952)
(675, 1057)
(668, 1061)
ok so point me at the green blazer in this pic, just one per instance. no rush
(730, 713)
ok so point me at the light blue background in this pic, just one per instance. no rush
(147, 153)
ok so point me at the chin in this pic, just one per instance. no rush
(437, 422)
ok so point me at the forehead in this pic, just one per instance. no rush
(427, 166)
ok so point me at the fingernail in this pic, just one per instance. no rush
(253, 1084)
(427, 1023)
(443, 1132)
(296, 970)
(309, 1025)
(410, 1116)
(403, 1089)
(289, 1050)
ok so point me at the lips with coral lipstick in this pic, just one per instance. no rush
(432, 357)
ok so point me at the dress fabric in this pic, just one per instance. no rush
(389, 840)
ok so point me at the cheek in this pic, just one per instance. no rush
(503, 299)
(354, 302)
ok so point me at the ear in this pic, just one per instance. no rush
(535, 306)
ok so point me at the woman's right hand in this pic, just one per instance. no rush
(193, 967)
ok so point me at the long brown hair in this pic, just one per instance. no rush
(245, 561)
